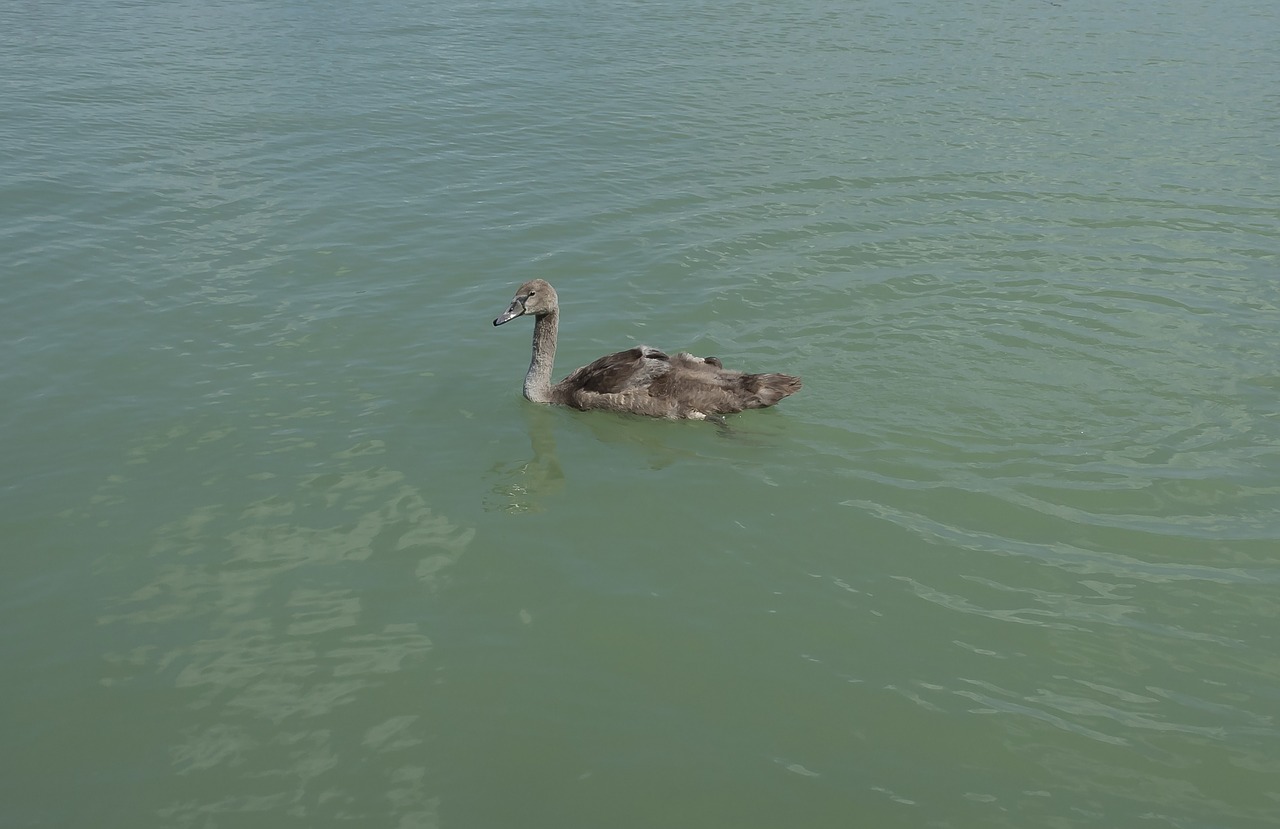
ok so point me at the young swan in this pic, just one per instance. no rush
(640, 380)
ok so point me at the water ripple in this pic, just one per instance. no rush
(1066, 556)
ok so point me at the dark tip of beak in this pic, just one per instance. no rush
(516, 309)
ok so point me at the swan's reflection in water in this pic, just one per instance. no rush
(525, 485)
(529, 485)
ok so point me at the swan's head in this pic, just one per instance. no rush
(535, 297)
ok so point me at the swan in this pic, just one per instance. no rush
(640, 380)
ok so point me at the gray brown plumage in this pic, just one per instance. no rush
(640, 380)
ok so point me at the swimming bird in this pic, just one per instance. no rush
(640, 380)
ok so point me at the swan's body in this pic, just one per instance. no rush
(640, 380)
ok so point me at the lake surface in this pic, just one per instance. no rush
(284, 545)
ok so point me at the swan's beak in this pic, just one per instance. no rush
(516, 309)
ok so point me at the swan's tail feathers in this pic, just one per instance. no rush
(767, 389)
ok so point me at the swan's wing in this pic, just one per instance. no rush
(691, 362)
(707, 388)
(617, 373)
(645, 381)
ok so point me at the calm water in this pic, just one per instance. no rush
(283, 545)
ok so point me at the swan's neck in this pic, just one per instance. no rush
(537, 383)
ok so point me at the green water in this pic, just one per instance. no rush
(284, 546)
